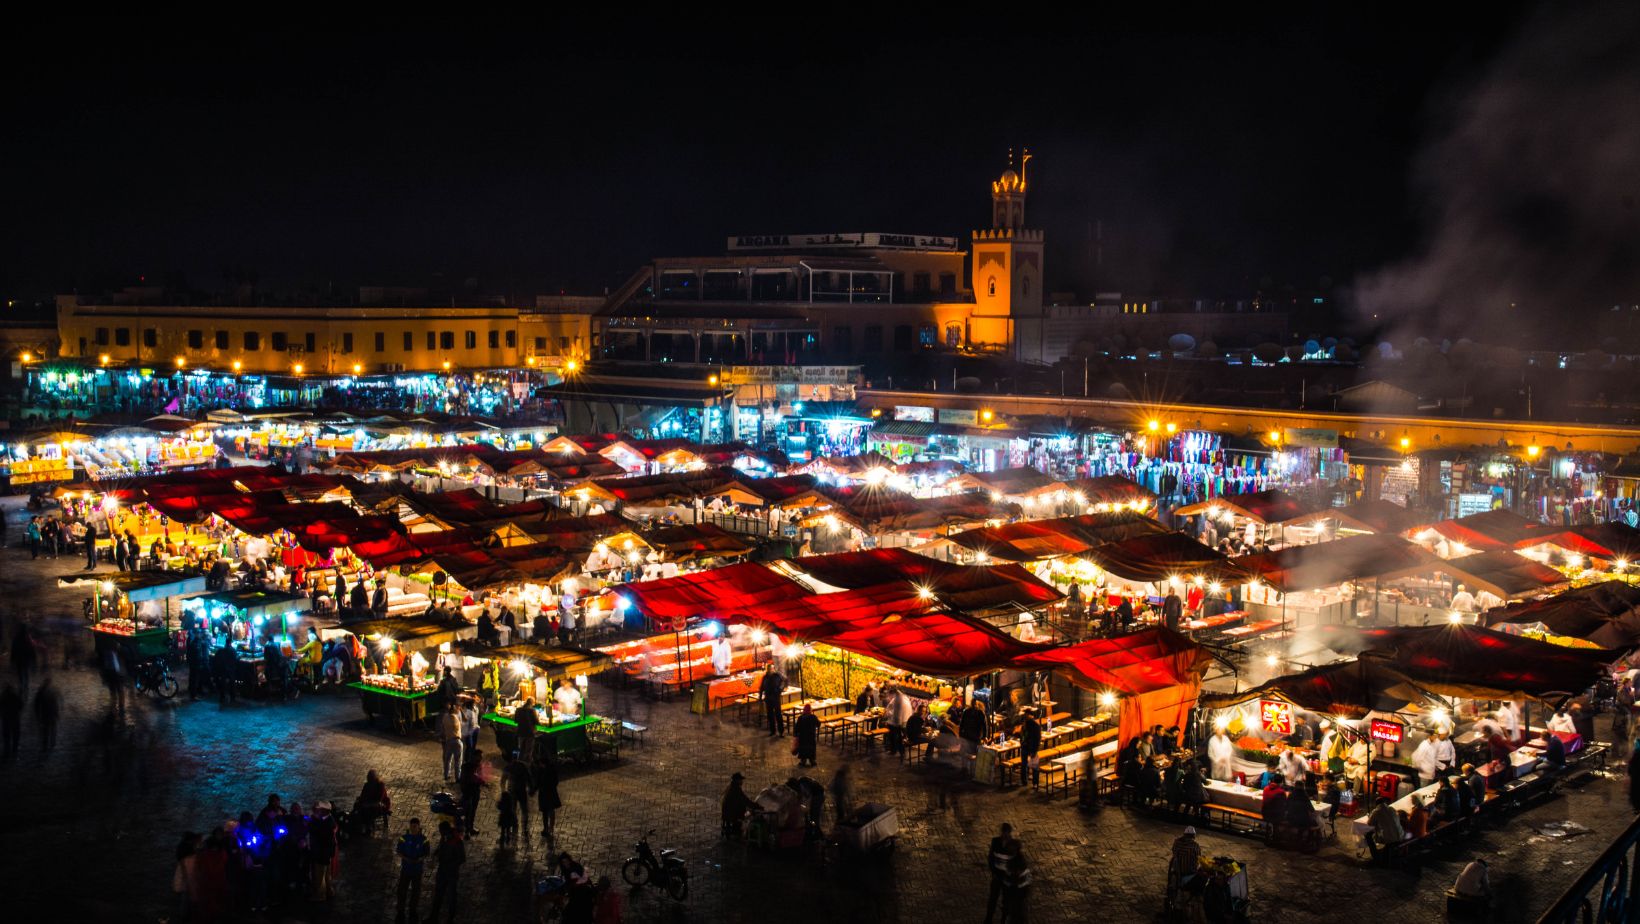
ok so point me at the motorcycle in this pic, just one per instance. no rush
(153, 675)
(667, 872)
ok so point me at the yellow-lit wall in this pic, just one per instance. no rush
(374, 340)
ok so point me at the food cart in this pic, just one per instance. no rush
(132, 609)
(247, 619)
(531, 671)
(397, 681)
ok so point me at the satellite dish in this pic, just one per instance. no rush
(440, 578)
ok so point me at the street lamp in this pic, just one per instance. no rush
(571, 364)
(237, 365)
(446, 365)
(358, 368)
(298, 368)
(182, 363)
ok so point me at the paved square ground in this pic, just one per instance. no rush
(87, 831)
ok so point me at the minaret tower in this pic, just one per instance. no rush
(1007, 270)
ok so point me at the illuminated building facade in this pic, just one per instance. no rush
(806, 299)
(322, 340)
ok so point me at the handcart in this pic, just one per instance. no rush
(1219, 889)
(868, 830)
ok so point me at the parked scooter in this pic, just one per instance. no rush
(667, 872)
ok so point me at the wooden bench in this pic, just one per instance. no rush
(830, 727)
(632, 731)
(871, 737)
(1058, 717)
(1050, 775)
(1237, 820)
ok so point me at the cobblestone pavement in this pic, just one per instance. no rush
(88, 829)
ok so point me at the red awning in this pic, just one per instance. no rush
(970, 588)
(1158, 671)
(714, 594)
(1327, 564)
(1162, 556)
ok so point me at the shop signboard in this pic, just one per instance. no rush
(1275, 716)
(1474, 503)
(806, 375)
(961, 416)
(913, 412)
(1309, 438)
(1385, 730)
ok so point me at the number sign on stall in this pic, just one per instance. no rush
(1386, 731)
(1276, 716)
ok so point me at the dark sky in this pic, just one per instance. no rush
(552, 155)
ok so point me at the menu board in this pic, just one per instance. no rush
(33, 471)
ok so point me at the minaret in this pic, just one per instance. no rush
(1007, 271)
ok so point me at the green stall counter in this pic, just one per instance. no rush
(569, 738)
(404, 710)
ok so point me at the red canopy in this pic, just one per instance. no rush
(716, 594)
(1158, 671)
(1458, 658)
(966, 587)
(1033, 540)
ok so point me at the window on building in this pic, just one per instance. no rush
(279, 341)
(253, 341)
(310, 341)
(991, 286)
(409, 342)
(347, 341)
(948, 283)
(540, 344)
(381, 342)
(842, 340)
(196, 340)
(447, 340)
(563, 344)
(927, 336)
(122, 336)
(919, 283)
(902, 338)
(432, 340)
(470, 341)
(150, 337)
(512, 339)
(82, 346)
(495, 339)
(1025, 286)
(222, 340)
(953, 335)
(872, 342)
(100, 337)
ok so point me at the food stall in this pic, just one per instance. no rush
(132, 609)
(531, 672)
(397, 680)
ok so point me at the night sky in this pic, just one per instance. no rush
(1280, 147)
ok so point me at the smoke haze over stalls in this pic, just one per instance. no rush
(1529, 185)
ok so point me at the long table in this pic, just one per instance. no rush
(1250, 799)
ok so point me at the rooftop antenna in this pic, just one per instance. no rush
(1023, 163)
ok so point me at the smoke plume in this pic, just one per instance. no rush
(1529, 184)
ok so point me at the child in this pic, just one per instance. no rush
(507, 807)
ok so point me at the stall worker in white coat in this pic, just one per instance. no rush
(1220, 755)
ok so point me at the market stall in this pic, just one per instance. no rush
(132, 609)
(552, 682)
(397, 680)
